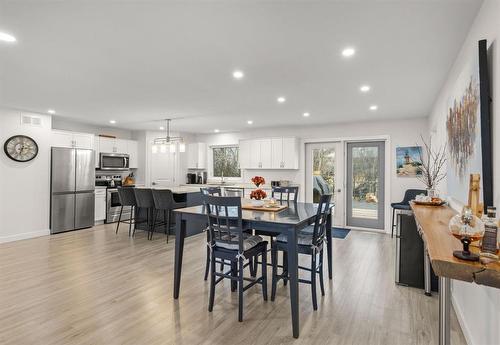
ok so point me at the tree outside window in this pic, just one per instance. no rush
(226, 161)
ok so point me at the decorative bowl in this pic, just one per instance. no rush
(257, 203)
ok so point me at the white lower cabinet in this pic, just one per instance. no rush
(100, 204)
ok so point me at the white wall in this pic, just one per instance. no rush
(24, 187)
(400, 133)
(478, 307)
(68, 125)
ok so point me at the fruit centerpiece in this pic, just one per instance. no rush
(258, 194)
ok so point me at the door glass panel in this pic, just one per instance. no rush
(365, 177)
(323, 172)
(365, 184)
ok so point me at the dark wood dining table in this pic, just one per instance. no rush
(288, 222)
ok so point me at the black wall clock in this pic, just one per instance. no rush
(20, 148)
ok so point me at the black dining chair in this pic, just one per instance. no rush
(288, 194)
(126, 196)
(282, 195)
(230, 245)
(228, 191)
(165, 203)
(215, 191)
(144, 201)
(410, 194)
(309, 242)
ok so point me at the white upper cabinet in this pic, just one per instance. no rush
(275, 153)
(197, 156)
(113, 145)
(72, 140)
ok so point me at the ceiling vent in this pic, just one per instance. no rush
(28, 120)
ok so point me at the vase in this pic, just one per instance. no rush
(257, 203)
(431, 192)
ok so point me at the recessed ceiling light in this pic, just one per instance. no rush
(51, 111)
(306, 114)
(216, 131)
(281, 99)
(162, 128)
(112, 122)
(348, 52)
(7, 38)
(373, 107)
(364, 88)
(238, 74)
(250, 122)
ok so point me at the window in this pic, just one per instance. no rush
(226, 161)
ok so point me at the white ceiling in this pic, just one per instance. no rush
(138, 61)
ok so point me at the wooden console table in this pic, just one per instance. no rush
(432, 223)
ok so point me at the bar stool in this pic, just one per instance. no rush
(165, 202)
(144, 200)
(127, 199)
(410, 195)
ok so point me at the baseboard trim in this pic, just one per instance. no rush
(461, 320)
(24, 236)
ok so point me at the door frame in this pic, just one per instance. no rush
(349, 188)
(388, 176)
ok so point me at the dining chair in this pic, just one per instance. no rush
(287, 194)
(230, 245)
(309, 242)
(127, 199)
(144, 200)
(282, 195)
(165, 203)
(216, 191)
(233, 192)
(410, 194)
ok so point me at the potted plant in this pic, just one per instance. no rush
(432, 167)
(258, 194)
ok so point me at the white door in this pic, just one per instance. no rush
(163, 168)
(244, 155)
(290, 153)
(62, 139)
(83, 141)
(254, 154)
(324, 174)
(106, 145)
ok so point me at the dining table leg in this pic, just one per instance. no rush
(180, 234)
(293, 273)
(329, 241)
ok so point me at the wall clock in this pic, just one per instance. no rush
(20, 148)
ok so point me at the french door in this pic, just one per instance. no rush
(365, 184)
(324, 174)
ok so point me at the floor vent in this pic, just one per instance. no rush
(28, 120)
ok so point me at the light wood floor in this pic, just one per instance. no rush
(95, 287)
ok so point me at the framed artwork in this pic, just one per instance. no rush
(408, 161)
(468, 130)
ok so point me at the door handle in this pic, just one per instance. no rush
(153, 183)
(339, 190)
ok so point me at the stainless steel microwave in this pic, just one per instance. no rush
(114, 161)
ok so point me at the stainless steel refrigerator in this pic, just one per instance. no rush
(72, 189)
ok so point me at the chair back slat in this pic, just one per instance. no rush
(321, 219)
(224, 219)
(283, 194)
(211, 191)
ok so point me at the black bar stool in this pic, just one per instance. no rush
(144, 200)
(165, 202)
(410, 195)
(127, 199)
